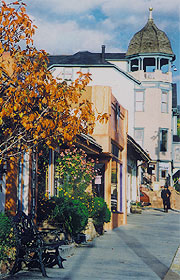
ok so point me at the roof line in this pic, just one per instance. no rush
(138, 148)
(97, 65)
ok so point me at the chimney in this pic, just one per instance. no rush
(103, 54)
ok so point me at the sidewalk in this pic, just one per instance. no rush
(145, 249)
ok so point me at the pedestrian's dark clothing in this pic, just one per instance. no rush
(165, 195)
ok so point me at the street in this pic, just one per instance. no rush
(143, 249)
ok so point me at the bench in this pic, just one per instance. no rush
(31, 247)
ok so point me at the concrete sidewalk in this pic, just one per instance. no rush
(144, 249)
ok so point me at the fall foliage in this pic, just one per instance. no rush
(34, 106)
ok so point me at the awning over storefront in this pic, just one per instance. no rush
(88, 144)
(136, 150)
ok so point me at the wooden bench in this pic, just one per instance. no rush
(31, 249)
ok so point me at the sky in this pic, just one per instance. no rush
(69, 26)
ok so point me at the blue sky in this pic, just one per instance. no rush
(69, 26)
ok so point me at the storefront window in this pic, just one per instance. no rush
(114, 183)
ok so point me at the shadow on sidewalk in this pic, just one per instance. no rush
(150, 260)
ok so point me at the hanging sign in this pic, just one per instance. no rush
(98, 180)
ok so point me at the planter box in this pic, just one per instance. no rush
(135, 209)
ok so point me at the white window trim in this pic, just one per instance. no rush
(162, 129)
(141, 129)
(167, 104)
(143, 92)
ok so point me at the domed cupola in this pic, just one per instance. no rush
(150, 42)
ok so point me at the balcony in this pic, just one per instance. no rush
(157, 75)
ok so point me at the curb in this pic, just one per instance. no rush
(174, 270)
(175, 266)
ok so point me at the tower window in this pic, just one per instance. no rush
(149, 64)
(163, 140)
(164, 102)
(134, 65)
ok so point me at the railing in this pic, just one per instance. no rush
(157, 76)
(149, 76)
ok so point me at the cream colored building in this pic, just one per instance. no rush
(150, 58)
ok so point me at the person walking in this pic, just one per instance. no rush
(165, 195)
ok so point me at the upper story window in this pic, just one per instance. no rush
(139, 101)
(164, 102)
(68, 74)
(139, 136)
(163, 140)
(84, 70)
(115, 150)
(115, 116)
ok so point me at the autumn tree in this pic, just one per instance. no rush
(34, 106)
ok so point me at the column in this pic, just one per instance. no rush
(159, 64)
(169, 65)
(156, 63)
(139, 64)
(142, 63)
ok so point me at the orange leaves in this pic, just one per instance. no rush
(44, 100)
(15, 25)
(33, 105)
(31, 118)
(103, 118)
(15, 108)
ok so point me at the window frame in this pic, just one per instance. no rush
(139, 101)
(139, 129)
(164, 103)
(161, 140)
(64, 73)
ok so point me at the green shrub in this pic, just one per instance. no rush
(45, 208)
(70, 212)
(99, 212)
(7, 241)
(74, 171)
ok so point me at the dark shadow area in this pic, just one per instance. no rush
(159, 209)
(35, 274)
(174, 210)
(138, 248)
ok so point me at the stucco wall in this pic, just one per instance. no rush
(122, 87)
(152, 120)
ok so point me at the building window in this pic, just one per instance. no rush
(163, 174)
(139, 136)
(139, 103)
(68, 74)
(163, 140)
(84, 70)
(115, 150)
(115, 116)
(164, 102)
(114, 184)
